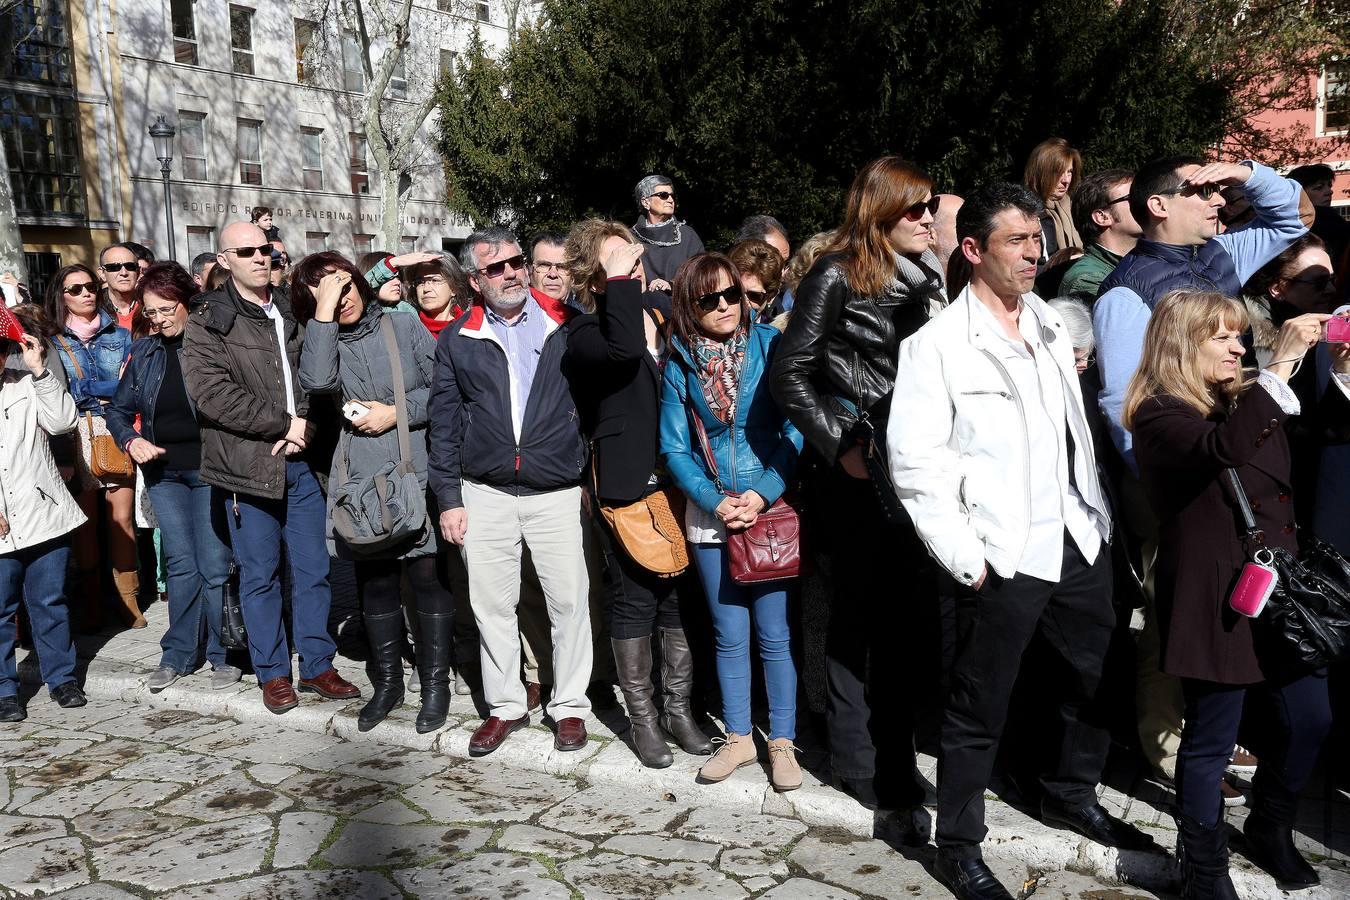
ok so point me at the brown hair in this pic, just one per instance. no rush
(698, 275)
(880, 194)
(582, 250)
(461, 294)
(1259, 284)
(1047, 162)
(310, 271)
(168, 279)
(756, 257)
(1181, 323)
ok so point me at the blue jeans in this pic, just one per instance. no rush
(258, 532)
(732, 605)
(197, 557)
(38, 576)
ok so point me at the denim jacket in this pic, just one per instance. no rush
(138, 390)
(101, 360)
(756, 451)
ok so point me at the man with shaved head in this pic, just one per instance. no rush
(241, 356)
(944, 228)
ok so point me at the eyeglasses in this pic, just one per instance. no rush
(915, 211)
(547, 266)
(432, 280)
(160, 313)
(495, 270)
(710, 302)
(247, 252)
(1120, 199)
(120, 267)
(759, 298)
(1203, 191)
(664, 195)
(76, 290)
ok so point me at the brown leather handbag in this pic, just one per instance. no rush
(651, 531)
(106, 459)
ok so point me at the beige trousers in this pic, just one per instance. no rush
(534, 630)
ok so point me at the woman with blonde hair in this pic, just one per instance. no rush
(877, 283)
(1194, 417)
(1053, 170)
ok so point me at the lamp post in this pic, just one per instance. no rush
(162, 134)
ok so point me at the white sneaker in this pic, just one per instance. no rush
(160, 679)
(225, 676)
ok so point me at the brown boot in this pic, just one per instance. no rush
(736, 751)
(129, 589)
(784, 772)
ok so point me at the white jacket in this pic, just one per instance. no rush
(33, 498)
(958, 444)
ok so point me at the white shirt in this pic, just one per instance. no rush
(280, 324)
(1055, 502)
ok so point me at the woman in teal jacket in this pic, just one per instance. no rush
(715, 375)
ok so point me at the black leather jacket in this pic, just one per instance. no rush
(840, 344)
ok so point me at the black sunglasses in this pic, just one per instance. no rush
(495, 270)
(247, 252)
(664, 195)
(709, 302)
(119, 267)
(759, 298)
(76, 290)
(1121, 199)
(914, 212)
(278, 261)
(1203, 191)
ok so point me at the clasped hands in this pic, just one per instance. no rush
(739, 513)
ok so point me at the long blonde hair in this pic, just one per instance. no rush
(1181, 323)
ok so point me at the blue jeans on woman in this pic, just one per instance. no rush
(37, 575)
(197, 557)
(733, 605)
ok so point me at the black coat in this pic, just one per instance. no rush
(617, 386)
(1182, 456)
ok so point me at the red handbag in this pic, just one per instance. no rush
(770, 549)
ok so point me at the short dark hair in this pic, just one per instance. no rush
(116, 245)
(167, 279)
(1261, 281)
(142, 252)
(1155, 178)
(759, 227)
(1094, 193)
(552, 238)
(976, 218)
(258, 212)
(1313, 174)
(55, 301)
(199, 263)
(698, 275)
(310, 270)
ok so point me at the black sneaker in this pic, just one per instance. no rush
(68, 695)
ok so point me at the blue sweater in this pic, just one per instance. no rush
(1121, 315)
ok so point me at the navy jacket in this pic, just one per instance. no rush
(100, 361)
(139, 389)
(470, 428)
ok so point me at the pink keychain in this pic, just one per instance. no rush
(1255, 585)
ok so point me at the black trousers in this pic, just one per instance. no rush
(379, 584)
(993, 628)
(882, 649)
(639, 600)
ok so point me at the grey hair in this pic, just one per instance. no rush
(1077, 320)
(760, 227)
(493, 236)
(647, 186)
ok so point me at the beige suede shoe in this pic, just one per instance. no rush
(735, 751)
(785, 774)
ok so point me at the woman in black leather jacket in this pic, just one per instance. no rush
(877, 284)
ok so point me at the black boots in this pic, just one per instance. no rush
(1203, 854)
(384, 633)
(433, 665)
(1270, 837)
(633, 660)
(677, 681)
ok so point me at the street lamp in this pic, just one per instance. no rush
(162, 134)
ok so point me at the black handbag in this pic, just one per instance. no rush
(874, 458)
(233, 635)
(1308, 613)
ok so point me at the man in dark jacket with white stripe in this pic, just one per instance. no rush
(506, 456)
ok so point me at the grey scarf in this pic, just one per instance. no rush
(920, 281)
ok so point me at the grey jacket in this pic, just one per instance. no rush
(353, 361)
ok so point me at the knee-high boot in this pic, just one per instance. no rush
(633, 660)
(677, 679)
(129, 589)
(433, 663)
(384, 633)
(1203, 853)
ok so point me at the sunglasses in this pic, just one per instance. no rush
(1318, 283)
(495, 270)
(247, 252)
(1203, 191)
(1120, 199)
(76, 290)
(278, 262)
(120, 267)
(915, 211)
(710, 302)
(664, 195)
(759, 298)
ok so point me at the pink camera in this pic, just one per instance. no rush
(1254, 586)
(1338, 328)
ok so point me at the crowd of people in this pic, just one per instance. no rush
(610, 458)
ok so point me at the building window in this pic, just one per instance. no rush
(200, 240)
(1336, 98)
(184, 31)
(407, 243)
(248, 147)
(484, 10)
(316, 241)
(448, 58)
(44, 153)
(42, 51)
(353, 63)
(241, 39)
(192, 144)
(311, 157)
(398, 79)
(304, 36)
(363, 243)
(360, 170)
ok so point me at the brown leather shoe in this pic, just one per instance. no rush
(533, 693)
(571, 734)
(331, 686)
(278, 695)
(491, 733)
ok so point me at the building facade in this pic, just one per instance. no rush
(1323, 131)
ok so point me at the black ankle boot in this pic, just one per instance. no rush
(1203, 854)
(384, 634)
(677, 679)
(633, 662)
(433, 661)
(1270, 845)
